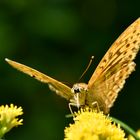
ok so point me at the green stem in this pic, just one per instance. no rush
(126, 128)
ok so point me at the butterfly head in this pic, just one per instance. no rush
(79, 88)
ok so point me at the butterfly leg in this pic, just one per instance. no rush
(96, 105)
(70, 107)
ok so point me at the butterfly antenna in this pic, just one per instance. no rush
(89, 64)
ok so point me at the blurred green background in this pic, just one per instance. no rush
(58, 37)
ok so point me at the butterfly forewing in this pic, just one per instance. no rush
(60, 88)
(124, 49)
(117, 64)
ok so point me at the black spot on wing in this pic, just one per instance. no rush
(134, 31)
(135, 41)
(127, 45)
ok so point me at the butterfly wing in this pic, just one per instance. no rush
(117, 64)
(60, 88)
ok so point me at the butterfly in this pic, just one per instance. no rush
(106, 81)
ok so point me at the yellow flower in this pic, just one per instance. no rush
(132, 138)
(8, 118)
(90, 125)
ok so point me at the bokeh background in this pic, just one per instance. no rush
(58, 37)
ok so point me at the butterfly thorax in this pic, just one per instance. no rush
(83, 96)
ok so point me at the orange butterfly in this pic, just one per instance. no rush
(108, 78)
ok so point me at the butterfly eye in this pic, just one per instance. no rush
(76, 90)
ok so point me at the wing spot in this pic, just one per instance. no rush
(134, 42)
(130, 56)
(138, 34)
(121, 77)
(33, 76)
(128, 45)
(110, 55)
(127, 69)
(134, 49)
(134, 31)
(118, 52)
(104, 60)
(126, 40)
(101, 67)
(125, 52)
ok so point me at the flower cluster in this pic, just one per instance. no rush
(130, 137)
(8, 118)
(90, 125)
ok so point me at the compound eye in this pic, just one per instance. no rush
(76, 90)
